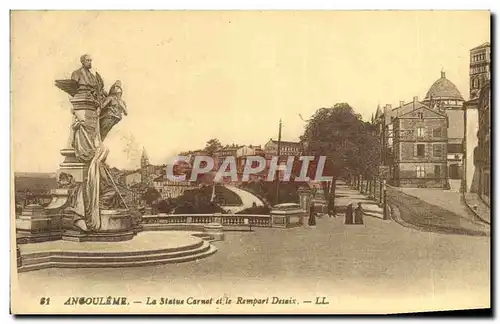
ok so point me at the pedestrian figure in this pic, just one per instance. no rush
(312, 215)
(331, 209)
(348, 215)
(358, 215)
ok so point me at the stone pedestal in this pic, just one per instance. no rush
(34, 225)
(286, 218)
(305, 197)
(116, 225)
(70, 166)
(215, 230)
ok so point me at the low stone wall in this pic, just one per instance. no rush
(288, 218)
(226, 220)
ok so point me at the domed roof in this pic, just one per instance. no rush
(443, 89)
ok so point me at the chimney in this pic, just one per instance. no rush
(415, 100)
(401, 103)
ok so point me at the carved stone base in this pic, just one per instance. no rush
(116, 225)
(25, 237)
(77, 236)
(116, 220)
(34, 225)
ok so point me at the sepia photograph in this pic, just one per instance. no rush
(250, 161)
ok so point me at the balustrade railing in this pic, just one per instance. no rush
(224, 219)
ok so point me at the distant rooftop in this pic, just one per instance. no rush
(487, 44)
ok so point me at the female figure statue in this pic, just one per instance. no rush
(112, 109)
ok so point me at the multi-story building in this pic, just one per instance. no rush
(240, 154)
(414, 144)
(480, 68)
(287, 148)
(482, 152)
(479, 76)
(132, 196)
(133, 177)
(444, 96)
(419, 146)
(171, 189)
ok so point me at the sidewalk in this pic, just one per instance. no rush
(346, 196)
(478, 207)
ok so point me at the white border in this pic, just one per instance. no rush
(186, 4)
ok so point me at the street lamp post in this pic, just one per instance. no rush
(385, 201)
(278, 163)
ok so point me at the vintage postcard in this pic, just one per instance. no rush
(250, 162)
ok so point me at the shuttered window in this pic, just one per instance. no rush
(437, 150)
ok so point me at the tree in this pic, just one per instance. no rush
(334, 133)
(367, 159)
(213, 146)
(150, 196)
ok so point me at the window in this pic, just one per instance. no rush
(420, 131)
(437, 171)
(420, 152)
(437, 150)
(455, 148)
(437, 132)
(421, 115)
(420, 171)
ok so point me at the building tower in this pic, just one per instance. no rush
(145, 174)
(480, 68)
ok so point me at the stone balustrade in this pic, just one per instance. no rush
(223, 219)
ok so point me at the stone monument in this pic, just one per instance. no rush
(87, 205)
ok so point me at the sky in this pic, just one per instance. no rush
(189, 76)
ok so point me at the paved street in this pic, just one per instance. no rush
(371, 267)
(420, 213)
(246, 197)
